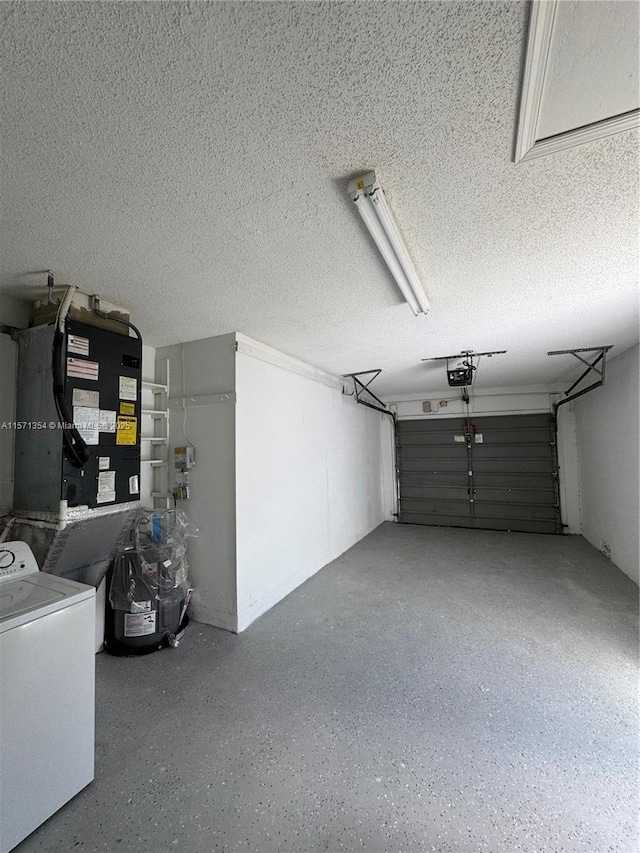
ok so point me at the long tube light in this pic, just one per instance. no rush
(372, 205)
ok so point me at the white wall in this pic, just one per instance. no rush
(209, 371)
(309, 477)
(608, 440)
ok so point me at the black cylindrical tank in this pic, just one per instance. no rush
(145, 610)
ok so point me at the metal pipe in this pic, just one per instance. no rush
(50, 286)
(376, 408)
(579, 393)
(63, 310)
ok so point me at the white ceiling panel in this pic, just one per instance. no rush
(592, 67)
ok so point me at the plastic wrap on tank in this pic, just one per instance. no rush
(154, 567)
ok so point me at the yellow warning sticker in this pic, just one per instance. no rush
(127, 408)
(127, 430)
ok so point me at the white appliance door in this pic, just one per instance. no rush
(47, 717)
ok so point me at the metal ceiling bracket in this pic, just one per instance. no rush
(468, 353)
(362, 390)
(592, 367)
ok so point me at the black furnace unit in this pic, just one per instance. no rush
(93, 460)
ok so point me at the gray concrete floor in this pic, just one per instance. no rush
(432, 689)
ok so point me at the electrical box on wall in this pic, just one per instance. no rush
(100, 384)
(185, 458)
(184, 461)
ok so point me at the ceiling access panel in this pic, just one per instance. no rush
(501, 476)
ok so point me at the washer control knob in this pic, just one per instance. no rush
(7, 558)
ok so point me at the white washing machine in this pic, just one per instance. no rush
(47, 692)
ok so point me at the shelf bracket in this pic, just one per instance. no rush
(364, 395)
(592, 367)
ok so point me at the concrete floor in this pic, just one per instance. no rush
(432, 689)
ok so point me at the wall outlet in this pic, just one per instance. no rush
(606, 549)
(426, 406)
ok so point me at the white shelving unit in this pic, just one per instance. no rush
(155, 441)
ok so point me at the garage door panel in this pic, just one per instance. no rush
(436, 520)
(486, 509)
(436, 478)
(522, 525)
(442, 520)
(451, 451)
(512, 451)
(433, 465)
(511, 495)
(435, 493)
(425, 439)
(515, 436)
(438, 507)
(519, 480)
(511, 474)
(513, 466)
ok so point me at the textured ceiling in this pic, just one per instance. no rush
(190, 160)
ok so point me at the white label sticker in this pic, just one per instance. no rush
(85, 419)
(134, 485)
(78, 344)
(82, 369)
(106, 481)
(140, 606)
(107, 420)
(459, 438)
(128, 388)
(82, 397)
(103, 462)
(139, 624)
(105, 497)
(479, 438)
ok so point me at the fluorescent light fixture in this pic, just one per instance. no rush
(372, 205)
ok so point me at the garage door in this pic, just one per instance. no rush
(498, 474)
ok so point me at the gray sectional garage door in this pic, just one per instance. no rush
(501, 477)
